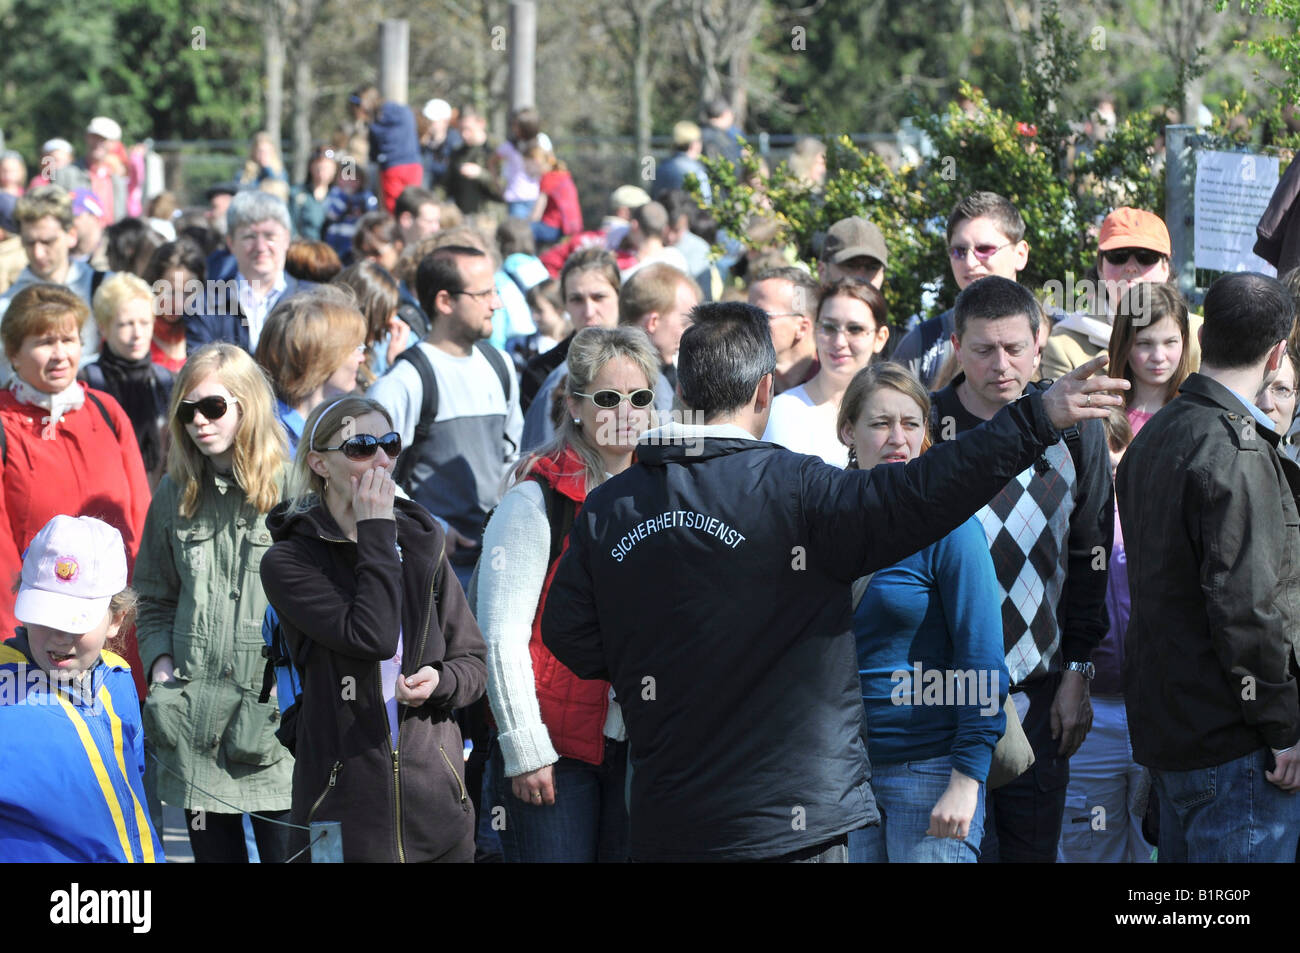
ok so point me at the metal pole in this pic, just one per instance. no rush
(1180, 169)
(394, 59)
(523, 46)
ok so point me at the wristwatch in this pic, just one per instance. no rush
(1086, 669)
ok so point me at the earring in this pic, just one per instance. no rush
(577, 421)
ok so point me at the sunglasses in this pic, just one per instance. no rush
(213, 408)
(612, 398)
(982, 252)
(363, 446)
(1120, 256)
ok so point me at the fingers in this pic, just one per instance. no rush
(1089, 368)
(546, 788)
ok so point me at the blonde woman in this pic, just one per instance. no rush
(201, 607)
(560, 761)
(367, 598)
(124, 367)
(264, 162)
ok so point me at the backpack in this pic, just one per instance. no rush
(429, 405)
(93, 375)
(4, 441)
(284, 675)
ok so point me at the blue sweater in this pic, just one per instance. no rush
(939, 610)
(393, 140)
(71, 766)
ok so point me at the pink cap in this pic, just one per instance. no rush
(71, 571)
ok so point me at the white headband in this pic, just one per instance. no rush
(311, 443)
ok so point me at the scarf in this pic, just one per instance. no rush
(70, 398)
(136, 388)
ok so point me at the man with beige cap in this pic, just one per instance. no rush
(1133, 247)
(684, 163)
(854, 248)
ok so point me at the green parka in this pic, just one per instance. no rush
(201, 602)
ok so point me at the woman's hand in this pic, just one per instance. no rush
(163, 670)
(372, 495)
(399, 338)
(415, 689)
(953, 811)
(535, 787)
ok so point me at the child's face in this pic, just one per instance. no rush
(68, 654)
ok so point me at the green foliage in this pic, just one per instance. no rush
(1282, 47)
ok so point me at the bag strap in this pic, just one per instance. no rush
(428, 408)
(108, 419)
(96, 279)
(499, 365)
(560, 511)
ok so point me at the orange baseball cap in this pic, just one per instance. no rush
(1133, 228)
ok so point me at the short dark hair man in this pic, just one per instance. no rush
(854, 248)
(1049, 530)
(789, 296)
(1214, 564)
(418, 215)
(742, 701)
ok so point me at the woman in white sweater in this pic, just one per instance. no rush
(559, 764)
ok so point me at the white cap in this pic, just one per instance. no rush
(103, 126)
(544, 142)
(71, 571)
(437, 109)
(56, 145)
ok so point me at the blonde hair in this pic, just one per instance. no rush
(114, 293)
(865, 383)
(591, 350)
(306, 486)
(260, 448)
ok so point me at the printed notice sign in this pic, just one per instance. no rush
(1232, 191)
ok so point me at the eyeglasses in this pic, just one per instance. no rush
(830, 329)
(212, 408)
(612, 398)
(475, 294)
(363, 446)
(1281, 392)
(982, 252)
(1120, 256)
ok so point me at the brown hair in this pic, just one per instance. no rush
(52, 200)
(1145, 305)
(652, 288)
(40, 309)
(376, 293)
(593, 258)
(306, 337)
(373, 230)
(316, 262)
(864, 291)
(865, 383)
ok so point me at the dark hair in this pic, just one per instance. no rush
(863, 291)
(715, 107)
(528, 123)
(591, 258)
(547, 290)
(166, 258)
(368, 98)
(724, 354)
(411, 199)
(988, 205)
(440, 271)
(651, 219)
(126, 239)
(1245, 315)
(515, 236)
(376, 292)
(994, 297)
(1147, 303)
(373, 229)
(317, 262)
(677, 203)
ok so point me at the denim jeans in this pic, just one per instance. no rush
(905, 795)
(1226, 814)
(545, 234)
(521, 209)
(586, 824)
(1103, 775)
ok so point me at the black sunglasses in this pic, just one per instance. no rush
(363, 446)
(213, 408)
(1120, 256)
(612, 398)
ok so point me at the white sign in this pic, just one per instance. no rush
(1232, 191)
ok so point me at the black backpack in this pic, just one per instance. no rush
(429, 405)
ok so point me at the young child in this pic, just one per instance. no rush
(71, 743)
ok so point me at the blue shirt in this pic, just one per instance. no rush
(293, 424)
(929, 633)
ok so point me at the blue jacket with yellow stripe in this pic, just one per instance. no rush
(71, 765)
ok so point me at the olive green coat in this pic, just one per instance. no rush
(201, 602)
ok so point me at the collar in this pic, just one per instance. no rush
(681, 433)
(1096, 330)
(1259, 415)
(1228, 399)
(246, 287)
(69, 399)
(292, 420)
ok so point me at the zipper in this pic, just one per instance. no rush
(334, 773)
(464, 798)
(392, 750)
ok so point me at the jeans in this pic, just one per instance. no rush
(905, 795)
(219, 838)
(1229, 813)
(522, 209)
(587, 823)
(1024, 817)
(1102, 824)
(545, 234)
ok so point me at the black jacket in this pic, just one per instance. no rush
(710, 582)
(1213, 542)
(342, 605)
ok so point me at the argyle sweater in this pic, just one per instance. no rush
(1049, 532)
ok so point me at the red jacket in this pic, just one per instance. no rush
(573, 709)
(85, 470)
(562, 208)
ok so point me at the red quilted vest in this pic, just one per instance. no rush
(573, 709)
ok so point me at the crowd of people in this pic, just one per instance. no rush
(491, 535)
